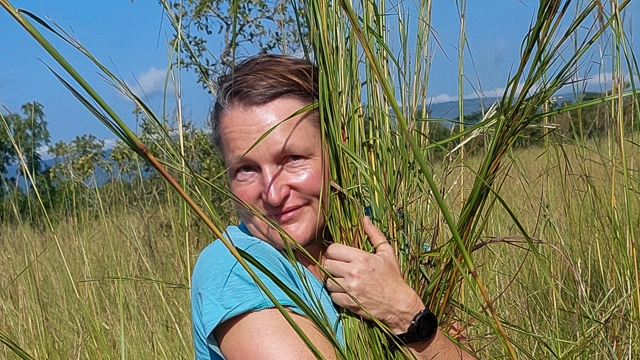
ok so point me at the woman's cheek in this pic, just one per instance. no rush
(243, 192)
(310, 176)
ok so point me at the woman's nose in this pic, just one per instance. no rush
(276, 187)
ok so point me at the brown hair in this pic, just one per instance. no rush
(261, 79)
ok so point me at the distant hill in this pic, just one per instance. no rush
(445, 110)
(13, 169)
(101, 176)
(449, 110)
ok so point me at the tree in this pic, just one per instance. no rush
(126, 161)
(29, 134)
(5, 145)
(78, 160)
(250, 27)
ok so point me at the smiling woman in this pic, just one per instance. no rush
(282, 175)
(275, 168)
(278, 174)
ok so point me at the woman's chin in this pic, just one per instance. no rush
(292, 240)
(302, 235)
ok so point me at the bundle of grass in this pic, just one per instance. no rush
(372, 101)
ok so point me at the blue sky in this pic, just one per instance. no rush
(130, 38)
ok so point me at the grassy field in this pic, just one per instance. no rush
(104, 288)
(115, 284)
(527, 241)
(571, 200)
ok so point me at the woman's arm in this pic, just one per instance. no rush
(266, 334)
(375, 280)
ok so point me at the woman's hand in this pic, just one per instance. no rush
(373, 279)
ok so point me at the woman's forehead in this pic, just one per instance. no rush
(274, 125)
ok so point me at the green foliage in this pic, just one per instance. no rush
(384, 165)
(127, 163)
(83, 165)
(21, 138)
(78, 160)
(240, 28)
(6, 150)
(594, 121)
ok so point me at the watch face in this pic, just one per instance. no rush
(426, 326)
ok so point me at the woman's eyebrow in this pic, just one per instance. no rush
(301, 145)
(234, 159)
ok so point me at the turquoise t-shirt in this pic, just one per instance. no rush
(222, 289)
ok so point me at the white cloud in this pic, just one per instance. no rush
(495, 93)
(593, 84)
(598, 83)
(149, 83)
(109, 143)
(442, 98)
(42, 151)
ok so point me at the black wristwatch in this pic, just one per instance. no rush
(424, 327)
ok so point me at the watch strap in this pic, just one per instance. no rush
(424, 327)
(407, 338)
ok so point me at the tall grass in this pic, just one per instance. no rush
(131, 298)
(532, 250)
(383, 154)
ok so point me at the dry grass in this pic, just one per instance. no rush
(561, 201)
(132, 295)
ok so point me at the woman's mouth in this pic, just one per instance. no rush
(286, 214)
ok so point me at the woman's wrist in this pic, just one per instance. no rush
(403, 315)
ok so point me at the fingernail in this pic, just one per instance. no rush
(367, 210)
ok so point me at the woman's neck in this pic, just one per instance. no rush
(316, 251)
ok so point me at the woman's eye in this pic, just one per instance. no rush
(244, 172)
(245, 169)
(294, 158)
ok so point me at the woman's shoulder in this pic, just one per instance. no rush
(240, 238)
(216, 259)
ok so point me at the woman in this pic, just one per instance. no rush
(277, 167)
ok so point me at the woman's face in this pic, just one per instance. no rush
(283, 176)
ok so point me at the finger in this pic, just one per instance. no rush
(336, 268)
(376, 237)
(345, 301)
(335, 285)
(341, 252)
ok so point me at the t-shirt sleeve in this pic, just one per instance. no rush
(223, 289)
